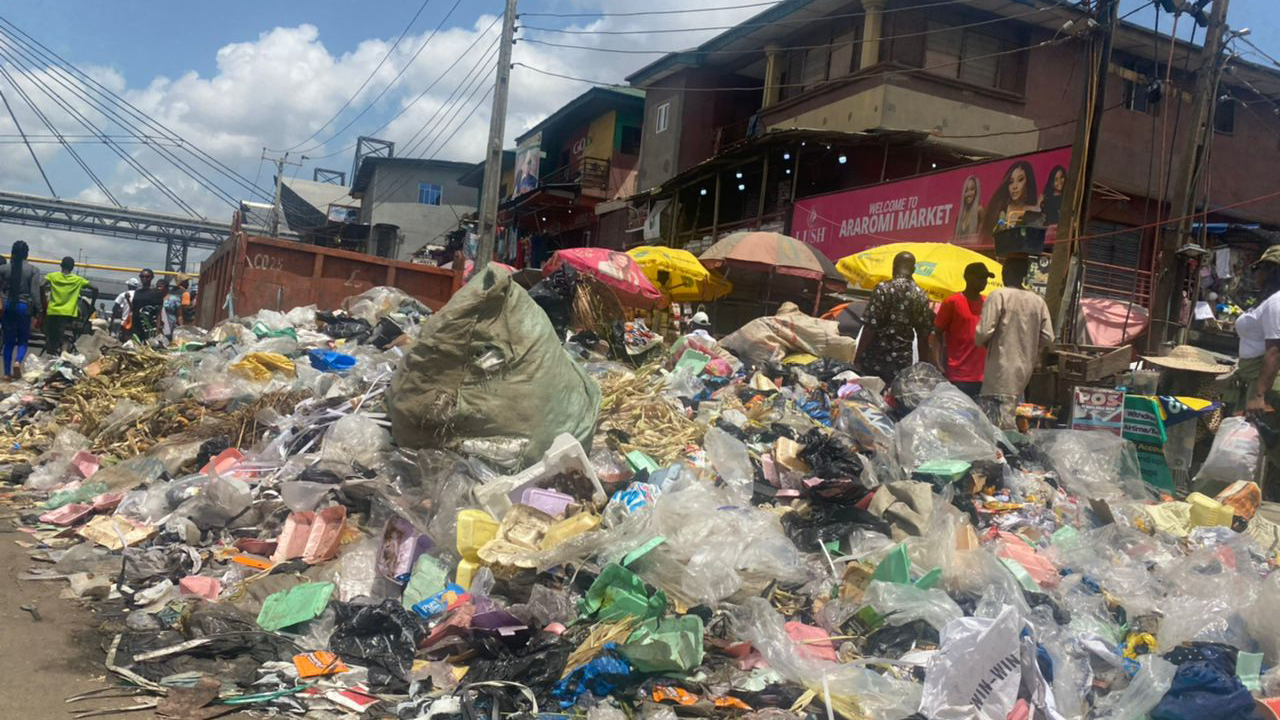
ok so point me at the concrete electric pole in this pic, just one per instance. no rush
(1187, 179)
(493, 152)
(277, 206)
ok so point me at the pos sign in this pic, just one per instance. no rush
(1097, 409)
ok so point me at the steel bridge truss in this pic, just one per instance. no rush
(177, 233)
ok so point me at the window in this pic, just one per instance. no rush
(630, 144)
(1142, 90)
(1224, 116)
(660, 117)
(970, 56)
(429, 194)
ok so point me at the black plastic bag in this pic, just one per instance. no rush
(210, 448)
(385, 333)
(554, 294)
(383, 638)
(345, 327)
(831, 456)
(824, 369)
(827, 522)
(539, 666)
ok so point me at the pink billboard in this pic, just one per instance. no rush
(961, 205)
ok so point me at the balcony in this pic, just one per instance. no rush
(590, 174)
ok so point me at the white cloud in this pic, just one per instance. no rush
(278, 88)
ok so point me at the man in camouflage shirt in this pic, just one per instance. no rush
(898, 312)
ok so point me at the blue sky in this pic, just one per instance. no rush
(234, 76)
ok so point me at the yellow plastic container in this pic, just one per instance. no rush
(568, 528)
(464, 573)
(475, 528)
(1207, 512)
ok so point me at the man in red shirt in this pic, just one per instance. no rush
(957, 323)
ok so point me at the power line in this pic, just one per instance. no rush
(482, 67)
(855, 42)
(195, 151)
(44, 119)
(88, 124)
(650, 12)
(886, 73)
(390, 85)
(464, 122)
(448, 119)
(364, 84)
(1261, 52)
(77, 90)
(825, 18)
(420, 95)
(27, 142)
(447, 108)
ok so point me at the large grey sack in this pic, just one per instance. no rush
(487, 375)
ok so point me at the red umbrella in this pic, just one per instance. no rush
(615, 269)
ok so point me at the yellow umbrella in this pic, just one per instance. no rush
(679, 274)
(939, 267)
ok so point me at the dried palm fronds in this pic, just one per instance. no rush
(647, 420)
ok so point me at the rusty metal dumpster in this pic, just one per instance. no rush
(250, 273)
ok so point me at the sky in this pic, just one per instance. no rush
(235, 76)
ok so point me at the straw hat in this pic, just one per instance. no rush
(1193, 359)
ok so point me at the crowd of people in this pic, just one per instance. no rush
(61, 305)
(987, 347)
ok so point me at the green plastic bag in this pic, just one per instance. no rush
(428, 578)
(669, 645)
(618, 593)
(299, 603)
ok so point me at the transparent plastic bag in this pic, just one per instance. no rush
(901, 604)
(713, 549)
(915, 384)
(1144, 692)
(1093, 464)
(1235, 455)
(356, 439)
(947, 425)
(729, 456)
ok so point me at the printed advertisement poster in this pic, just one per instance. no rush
(528, 158)
(961, 205)
(1097, 409)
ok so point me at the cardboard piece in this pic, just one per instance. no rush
(106, 530)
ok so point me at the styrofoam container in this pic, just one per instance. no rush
(551, 502)
(475, 528)
(565, 455)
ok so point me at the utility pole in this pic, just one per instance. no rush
(493, 152)
(277, 207)
(1060, 291)
(1190, 167)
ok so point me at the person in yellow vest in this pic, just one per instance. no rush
(63, 291)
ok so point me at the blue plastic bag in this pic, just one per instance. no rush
(330, 361)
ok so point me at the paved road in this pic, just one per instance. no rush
(41, 663)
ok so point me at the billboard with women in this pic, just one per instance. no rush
(961, 205)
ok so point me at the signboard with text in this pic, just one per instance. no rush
(1097, 409)
(961, 205)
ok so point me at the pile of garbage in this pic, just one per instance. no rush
(385, 512)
